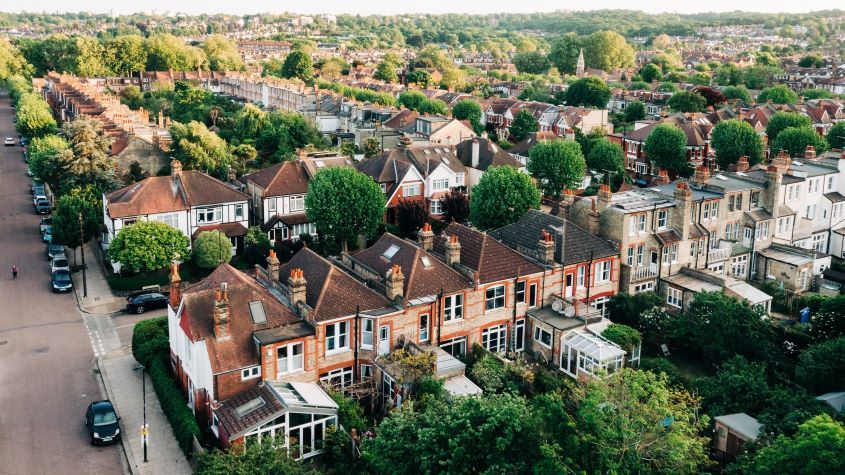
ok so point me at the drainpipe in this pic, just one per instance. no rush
(439, 306)
(355, 371)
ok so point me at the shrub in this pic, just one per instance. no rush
(350, 413)
(212, 248)
(662, 365)
(149, 339)
(128, 284)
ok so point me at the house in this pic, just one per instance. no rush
(732, 431)
(680, 289)
(836, 400)
(277, 194)
(581, 118)
(189, 201)
(439, 129)
(398, 178)
(520, 150)
(479, 154)
(793, 267)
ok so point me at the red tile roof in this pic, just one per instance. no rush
(491, 259)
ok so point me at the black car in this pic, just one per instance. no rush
(61, 281)
(54, 250)
(43, 207)
(102, 422)
(141, 302)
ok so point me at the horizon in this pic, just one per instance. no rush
(435, 7)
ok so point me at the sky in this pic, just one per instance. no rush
(370, 7)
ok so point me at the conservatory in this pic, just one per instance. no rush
(296, 415)
(584, 354)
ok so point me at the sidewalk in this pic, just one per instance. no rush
(123, 386)
(100, 299)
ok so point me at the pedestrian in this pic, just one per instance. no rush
(14, 271)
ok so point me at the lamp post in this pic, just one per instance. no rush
(144, 428)
(82, 246)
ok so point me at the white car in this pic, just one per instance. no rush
(59, 263)
(9, 141)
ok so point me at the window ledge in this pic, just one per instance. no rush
(453, 321)
(290, 373)
(337, 352)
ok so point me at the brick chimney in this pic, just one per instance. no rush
(546, 248)
(701, 176)
(742, 164)
(175, 167)
(604, 197)
(565, 203)
(221, 311)
(771, 193)
(395, 284)
(810, 153)
(662, 177)
(679, 217)
(426, 237)
(175, 285)
(782, 162)
(273, 265)
(296, 284)
(453, 251)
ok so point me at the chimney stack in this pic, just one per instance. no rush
(546, 248)
(810, 153)
(273, 265)
(296, 284)
(426, 237)
(453, 251)
(221, 311)
(662, 177)
(395, 284)
(175, 167)
(742, 164)
(771, 193)
(604, 197)
(782, 162)
(702, 176)
(175, 286)
(475, 152)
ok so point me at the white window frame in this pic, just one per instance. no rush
(662, 219)
(366, 371)
(495, 339)
(216, 213)
(675, 297)
(440, 184)
(345, 374)
(239, 211)
(497, 300)
(293, 363)
(271, 205)
(365, 333)
(424, 327)
(519, 335)
(602, 272)
(297, 203)
(435, 207)
(539, 333)
(582, 275)
(453, 308)
(339, 338)
(250, 373)
(411, 189)
(460, 341)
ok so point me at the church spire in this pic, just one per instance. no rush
(579, 66)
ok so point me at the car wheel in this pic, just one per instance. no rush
(139, 309)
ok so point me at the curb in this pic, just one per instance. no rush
(127, 450)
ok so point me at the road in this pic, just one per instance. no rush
(46, 356)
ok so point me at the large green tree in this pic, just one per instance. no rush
(634, 111)
(531, 62)
(783, 120)
(737, 93)
(564, 53)
(822, 365)
(651, 72)
(836, 135)
(126, 54)
(469, 109)
(685, 101)
(211, 248)
(43, 156)
(590, 91)
(199, 148)
(816, 448)
(794, 141)
(90, 57)
(666, 146)
(607, 50)
(779, 94)
(523, 124)
(344, 203)
(298, 65)
(557, 164)
(606, 157)
(34, 118)
(386, 72)
(148, 246)
(165, 51)
(222, 54)
(12, 62)
(732, 139)
(87, 160)
(502, 195)
(262, 457)
(66, 224)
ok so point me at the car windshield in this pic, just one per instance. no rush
(59, 262)
(61, 277)
(105, 418)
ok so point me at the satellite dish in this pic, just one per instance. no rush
(557, 306)
(569, 311)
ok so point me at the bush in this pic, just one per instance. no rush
(212, 248)
(350, 413)
(662, 365)
(130, 283)
(149, 339)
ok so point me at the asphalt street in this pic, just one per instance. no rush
(46, 351)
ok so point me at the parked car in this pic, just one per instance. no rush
(29, 171)
(54, 250)
(47, 235)
(43, 207)
(62, 282)
(45, 221)
(37, 188)
(9, 141)
(38, 197)
(59, 263)
(141, 302)
(102, 422)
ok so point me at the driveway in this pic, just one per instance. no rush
(46, 376)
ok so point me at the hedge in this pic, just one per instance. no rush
(126, 284)
(150, 346)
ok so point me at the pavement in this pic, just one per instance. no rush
(124, 387)
(47, 373)
(100, 299)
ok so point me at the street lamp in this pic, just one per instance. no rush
(145, 430)
(82, 246)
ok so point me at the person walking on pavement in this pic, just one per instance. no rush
(14, 271)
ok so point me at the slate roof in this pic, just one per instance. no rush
(236, 425)
(237, 350)
(578, 244)
(330, 292)
(491, 259)
(522, 148)
(420, 281)
(162, 194)
(489, 155)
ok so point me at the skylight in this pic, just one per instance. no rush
(426, 262)
(256, 309)
(319, 163)
(427, 151)
(390, 252)
(250, 406)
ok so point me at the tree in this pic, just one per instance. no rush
(607, 50)
(590, 92)
(255, 236)
(531, 62)
(557, 164)
(66, 226)
(606, 157)
(211, 248)
(719, 326)
(714, 97)
(89, 57)
(634, 422)
(626, 337)
(42, 155)
(263, 457)
(420, 77)
(126, 53)
(734, 138)
(634, 111)
(333, 68)
(455, 206)
(811, 61)
(523, 124)
(199, 148)
(249, 122)
(836, 135)
(468, 109)
(386, 72)
(687, 102)
(564, 53)
(728, 74)
(651, 72)
(165, 52)
(453, 79)
(344, 203)
(371, 147)
(816, 448)
(411, 99)
(626, 308)
(502, 195)
(283, 133)
(298, 65)
(222, 54)
(411, 215)
(737, 93)
(737, 386)
(666, 145)
(12, 62)
(821, 366)
(779, 94)
(148, 246)
(783, 120)
(87, 160)
(794, 141)
(34, 117)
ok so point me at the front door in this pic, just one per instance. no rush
(653, 265)
(570, 288)
(384, 340)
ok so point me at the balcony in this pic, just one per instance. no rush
(640, 273)
(721, 253)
